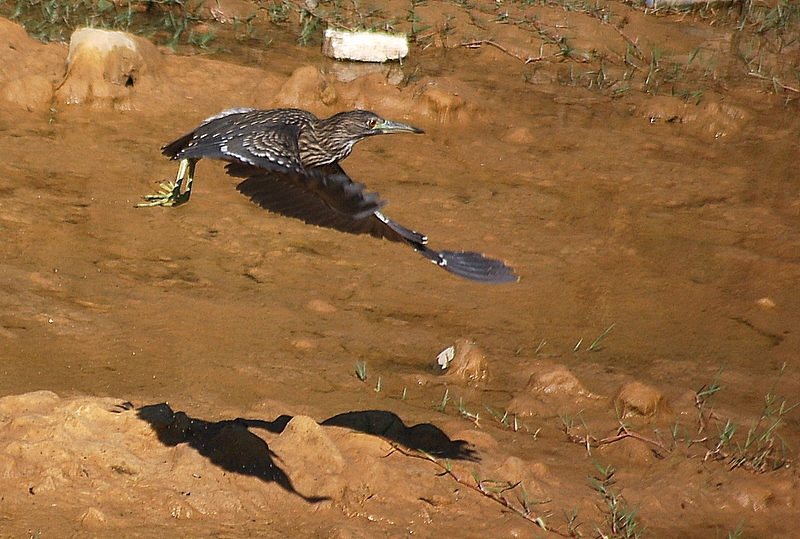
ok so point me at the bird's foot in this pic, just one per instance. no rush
(170, 195)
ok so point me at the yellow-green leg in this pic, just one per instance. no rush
(170, 194)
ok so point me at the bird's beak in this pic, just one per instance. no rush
(388, 126)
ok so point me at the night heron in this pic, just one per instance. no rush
(290, 161)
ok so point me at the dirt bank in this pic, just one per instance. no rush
(670, 219)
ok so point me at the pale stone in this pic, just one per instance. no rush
(364, 46)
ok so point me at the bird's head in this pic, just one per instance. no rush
(363, 123)
(340, 132)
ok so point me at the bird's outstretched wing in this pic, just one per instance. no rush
(282, 193)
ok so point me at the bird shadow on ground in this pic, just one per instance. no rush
(230, 445)
(421, 437)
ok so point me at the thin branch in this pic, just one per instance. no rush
(478, 43)
(479, 486)
(624, 432)
(775, 82)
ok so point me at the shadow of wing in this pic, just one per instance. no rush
(288, 194)
(327, 197)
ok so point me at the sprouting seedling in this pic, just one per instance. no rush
(621, 517)
(601, 337)
(462, 410)
(504, 419)
(572, 525)
(737, 533)
(441, 407)
(692, 56)
(361, 370)
(708, 390)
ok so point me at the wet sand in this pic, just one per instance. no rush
(676, 223)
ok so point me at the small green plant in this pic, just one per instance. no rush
(166, 21)
(596, 343)
(621, 521)
(202, 40)
(415, 20)
(705, 393)
(279, 12)
(762, 449)
(462, 410)
(361, 370)
(569, 427)
(310, 23)
(504, 418)
(445, 399)
(737, 533)
(724, 440)
(572, 523)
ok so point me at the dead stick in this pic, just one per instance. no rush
(774, 80)
(478, 487)
(478, 43)
(623, 432)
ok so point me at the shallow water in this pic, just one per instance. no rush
(682, 234)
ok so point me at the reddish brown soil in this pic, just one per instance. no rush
(677, 223)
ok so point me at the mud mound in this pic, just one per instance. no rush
(101, 461)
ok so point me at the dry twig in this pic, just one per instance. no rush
(478, 43)
(496, 493)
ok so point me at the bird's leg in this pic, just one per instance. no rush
(170, 194)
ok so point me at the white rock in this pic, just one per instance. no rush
(364, 46)
(445, 357)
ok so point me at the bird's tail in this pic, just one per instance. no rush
(468, 265)
(471, 265)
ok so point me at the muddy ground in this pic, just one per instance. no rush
(152, 358)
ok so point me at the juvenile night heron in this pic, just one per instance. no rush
(290, 161)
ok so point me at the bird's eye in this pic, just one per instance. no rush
(372, 122)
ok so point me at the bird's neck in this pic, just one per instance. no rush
(320, 144)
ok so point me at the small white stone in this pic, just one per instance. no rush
(364, 46)
(445, 357)
(766, 303)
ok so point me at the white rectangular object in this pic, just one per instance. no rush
(364, 46)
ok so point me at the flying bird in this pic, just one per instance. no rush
(289, 160)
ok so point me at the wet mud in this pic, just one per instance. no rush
(198, 370)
